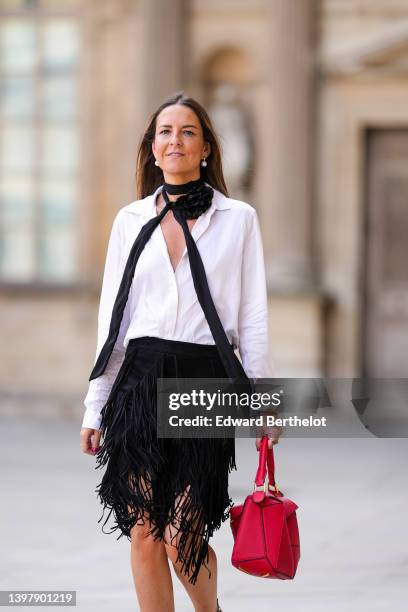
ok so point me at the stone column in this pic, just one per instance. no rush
(289, 130)
(164, 50)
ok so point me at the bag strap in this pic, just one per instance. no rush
(266, 461)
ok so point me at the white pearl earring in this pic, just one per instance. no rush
(156, 163)
(203, 163)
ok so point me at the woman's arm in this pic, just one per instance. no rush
(99, 388)
(253, 309)
(253, 321)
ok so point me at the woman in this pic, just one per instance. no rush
(170, 308)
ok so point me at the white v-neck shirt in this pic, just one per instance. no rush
(163, 302)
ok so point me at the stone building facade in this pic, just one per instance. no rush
(311, 100)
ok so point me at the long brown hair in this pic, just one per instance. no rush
(149, 176)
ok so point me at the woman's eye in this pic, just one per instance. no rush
(185, 132)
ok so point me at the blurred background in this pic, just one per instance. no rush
(310, 99)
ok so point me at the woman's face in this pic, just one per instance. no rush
(178, 144)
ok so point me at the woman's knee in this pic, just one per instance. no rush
(143, 542)
(171, 543)
(172, 554)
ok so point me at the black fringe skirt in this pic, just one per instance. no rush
(181, 483)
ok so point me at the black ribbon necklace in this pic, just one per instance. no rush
(189, 206)
(197, 199)
(173, 189)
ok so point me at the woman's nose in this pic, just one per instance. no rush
(175, 138)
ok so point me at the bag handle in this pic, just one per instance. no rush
(266, 461)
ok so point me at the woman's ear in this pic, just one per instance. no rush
(207, 148)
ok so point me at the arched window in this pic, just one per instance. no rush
(227, 78)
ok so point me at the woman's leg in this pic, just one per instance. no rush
(151, 572)
(150, 566)
(203, 593)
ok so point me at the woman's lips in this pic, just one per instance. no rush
(176, 154)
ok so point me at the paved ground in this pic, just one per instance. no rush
(352, 495)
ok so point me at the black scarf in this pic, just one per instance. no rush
(191, 205)
(188, 206)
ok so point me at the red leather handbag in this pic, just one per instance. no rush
(264, 527)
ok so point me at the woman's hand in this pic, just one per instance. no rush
(273, 433)
(89, 439)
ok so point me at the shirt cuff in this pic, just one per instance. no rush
(92, 419)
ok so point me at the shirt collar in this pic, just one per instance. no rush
(146, 206)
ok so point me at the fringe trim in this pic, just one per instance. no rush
(180, 483)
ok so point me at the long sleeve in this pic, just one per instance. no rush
(253, 310)
(100, 387)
